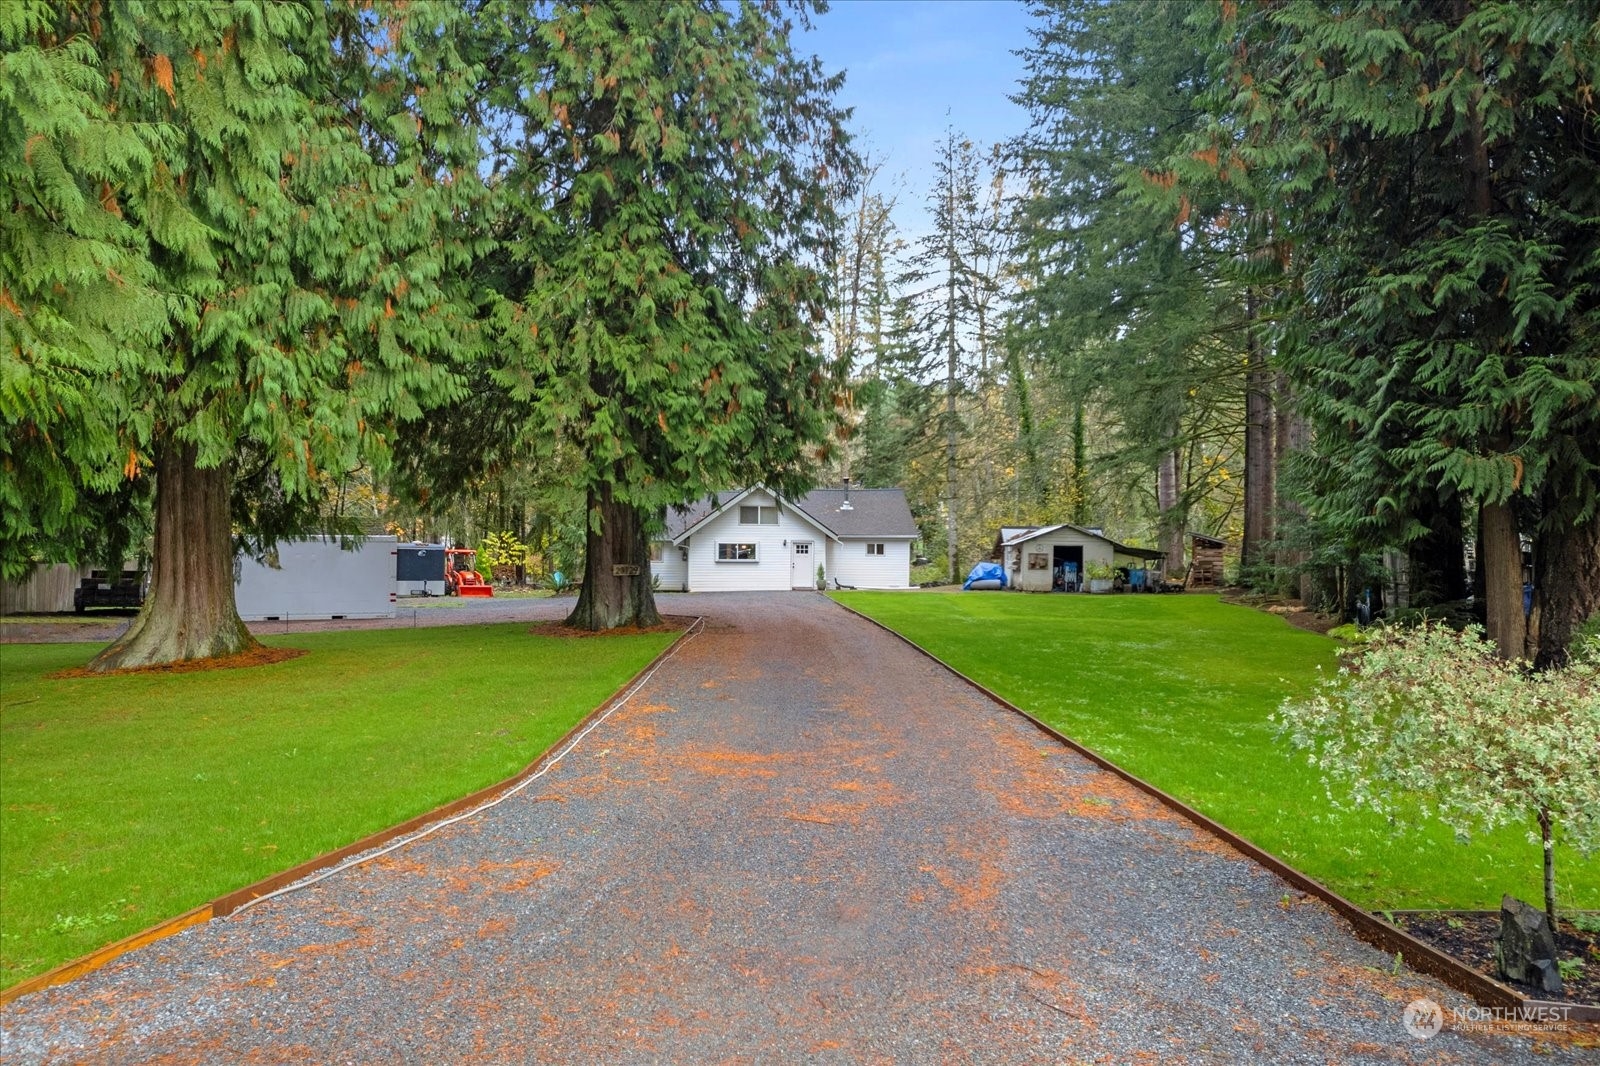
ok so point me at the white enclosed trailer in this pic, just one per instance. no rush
(315, 578)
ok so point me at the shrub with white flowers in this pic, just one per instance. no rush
(1431, 718)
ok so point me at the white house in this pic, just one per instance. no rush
(756, 540)
(1033, 555)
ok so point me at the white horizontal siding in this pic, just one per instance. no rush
(771, 570)
(849, 564)
(670, 571)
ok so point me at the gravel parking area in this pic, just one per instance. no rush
(799, 841)
(410, 613)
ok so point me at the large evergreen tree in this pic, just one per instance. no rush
(1128, 292)
(665, 205)
(262, 285)
(940, 282)
(858, 320)
(77, 293)
(1434, 170)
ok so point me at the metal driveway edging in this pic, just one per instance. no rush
(226, 904)
(1484, 990)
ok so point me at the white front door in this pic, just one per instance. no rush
(803, 569)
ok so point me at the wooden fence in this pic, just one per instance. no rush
(47, 590)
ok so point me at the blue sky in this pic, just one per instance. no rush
(914, 66)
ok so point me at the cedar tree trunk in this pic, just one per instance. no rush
(1499, 546)
(616, 541)
(1568, 593)
(951, 442)
(1501, 551)
(1258, 467)
(951, 435)
(1080, 470)
(190, 613)
(1293, 436)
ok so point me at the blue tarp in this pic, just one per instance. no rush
(986, 576)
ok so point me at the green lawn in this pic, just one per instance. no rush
(127, 800)
(1178, 690)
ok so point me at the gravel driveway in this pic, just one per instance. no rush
(799, 842)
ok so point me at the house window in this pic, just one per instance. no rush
(736, 553)
(1038, 561)
(655, 551)
(874, 549)
(758, 516)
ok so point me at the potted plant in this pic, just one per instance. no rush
(1100, 575)
(822, 578)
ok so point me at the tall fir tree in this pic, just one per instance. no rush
(667, 218)
(856, 327)
(1127, 293)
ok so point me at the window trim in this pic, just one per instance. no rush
(754, 546)
(762, 511)
(877, 548)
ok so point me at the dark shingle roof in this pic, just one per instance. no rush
(873, 512)
(680, 520)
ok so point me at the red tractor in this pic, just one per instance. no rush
(460, 579)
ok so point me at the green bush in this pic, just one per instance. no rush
(1585, 645)
(499, 556)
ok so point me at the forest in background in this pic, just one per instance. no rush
(1319, 282)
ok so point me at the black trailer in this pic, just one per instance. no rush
(100, 589)
(420, 565)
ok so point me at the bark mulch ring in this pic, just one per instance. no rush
(1294, 612)
(670, 623)
(1304, 618)
(1469, 936)
(257, 656)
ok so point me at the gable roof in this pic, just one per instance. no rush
(680, 522)
(1019, 534)
(873, 512)
(1023, 535)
